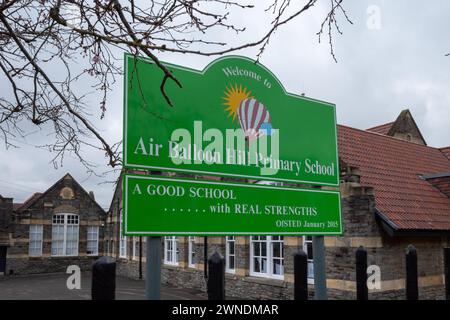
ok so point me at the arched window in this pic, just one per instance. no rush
(65, 233)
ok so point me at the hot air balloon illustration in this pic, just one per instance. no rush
(252, 115)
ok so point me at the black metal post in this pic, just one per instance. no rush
(362, 292)
(412, 287)
(205, 254)
(103, 279)
(216, 279)
(447, 272)
(300, 275)
(140, 258)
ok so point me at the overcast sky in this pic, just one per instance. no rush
(380, 71)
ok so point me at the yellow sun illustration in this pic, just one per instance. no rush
(233, 98)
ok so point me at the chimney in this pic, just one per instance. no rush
(91, 194)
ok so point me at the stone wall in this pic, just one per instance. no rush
(6, 211)
(20, 266)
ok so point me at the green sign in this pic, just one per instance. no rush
(234, 119)
(168, 206)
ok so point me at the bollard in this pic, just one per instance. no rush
(412, 287)
(300, 275)
(216, 277)
(362, 292)
(103, 279)
(447, 272)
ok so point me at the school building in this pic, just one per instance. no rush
(51, 230)
(395, 191)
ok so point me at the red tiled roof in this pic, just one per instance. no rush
(446, 152)
(442, 183)
(393, 168)
(382, 129)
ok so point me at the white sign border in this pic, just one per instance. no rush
(186, 233)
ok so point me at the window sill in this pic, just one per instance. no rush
(64, 257)
(36, 257)
(231, 276)
(171, 265)
(267, 281)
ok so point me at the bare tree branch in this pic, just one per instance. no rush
(47, 48)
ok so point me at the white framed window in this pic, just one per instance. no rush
(171, 252)
(65, 233)
(35, 240)
(308, 248)
(92, 241)
(267, 256)
(135, 248)
(230, 254)
(191, 252)
(123, 240)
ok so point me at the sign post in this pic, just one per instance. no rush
(320, 279)
(153, 266)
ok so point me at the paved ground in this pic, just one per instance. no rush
(53, 287)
